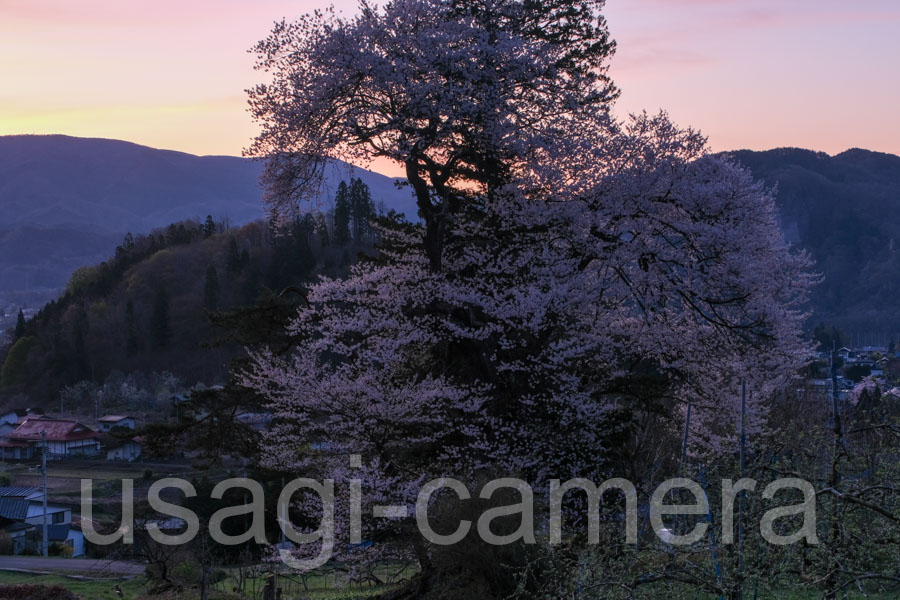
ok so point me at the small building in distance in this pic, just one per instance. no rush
(20, 414)
(112, 421)
(259, 421)
(124, 449)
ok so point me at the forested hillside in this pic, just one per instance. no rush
(146, 308)
(151, 308)
(845, 210)
(66, 202)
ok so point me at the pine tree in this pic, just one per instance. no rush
(361, 208)
(343, 211)
(209, 227)
(321, 230)
(233, 260)
(126, 246)
(82, 363)
(160, 332)
(293, 259)
(211, 289)
(131, 339)
(20, 327)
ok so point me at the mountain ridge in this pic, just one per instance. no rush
(71, 181)
(90, 192)
(844, 209)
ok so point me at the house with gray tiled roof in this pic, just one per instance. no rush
(22, 518)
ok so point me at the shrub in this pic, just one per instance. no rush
(153, 572)
(35, 592)
(185, 574)
(218, 576)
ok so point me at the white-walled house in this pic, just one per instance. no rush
(64, 438)
(129, 449)
(22, 514)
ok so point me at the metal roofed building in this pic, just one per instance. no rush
(111, 421)
(64, 438)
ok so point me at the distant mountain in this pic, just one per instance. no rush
(845, 210)
(34, 258)
(116, 186)
(67, 202)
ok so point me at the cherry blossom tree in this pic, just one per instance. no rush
(460, 93)
(565, 263)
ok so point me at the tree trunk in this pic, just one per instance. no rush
(433, 241)
(204, 583)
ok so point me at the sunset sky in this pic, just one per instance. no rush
(758, 74)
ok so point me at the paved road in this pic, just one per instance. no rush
(85, 566)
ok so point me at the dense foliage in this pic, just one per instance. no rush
(844, 210)
(147, 309)
(572, 280)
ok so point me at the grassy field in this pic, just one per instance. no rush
(319, 588)
(315, 586)
(89, 590)
(322, 587)
(64, 477)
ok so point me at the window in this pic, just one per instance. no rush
(58, 517)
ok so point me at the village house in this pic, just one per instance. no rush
(847, 354)
(22, 518)
(112, 421)
(18, 415)
(123, 449)
(64, 439)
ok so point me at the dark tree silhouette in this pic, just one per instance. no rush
(131, 338)
(342, 213)
(362, 209)
(233, 260)
(160, 332)
(20, 327)
(211, 289)
(209, 227)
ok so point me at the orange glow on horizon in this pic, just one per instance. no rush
(815, 74)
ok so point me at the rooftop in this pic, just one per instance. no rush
(56, 430)
(24, 412)
(14, 509)
(113, 418)
(17, 491)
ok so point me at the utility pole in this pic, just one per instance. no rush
(44, 476)
(684, 444)
(740, 499)
(283, 518)
(684, 441)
